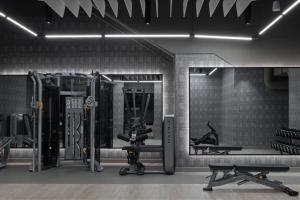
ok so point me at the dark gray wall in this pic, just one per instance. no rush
(260, 110)
(244, 110)
(205, 95)
(14, 98)
(294, 98)
(228, 106)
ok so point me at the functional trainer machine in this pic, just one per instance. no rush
(247, 173)
(63, 115)
(137, 133)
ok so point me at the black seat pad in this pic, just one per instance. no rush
(221, 167)
(144, 148)
(200, 147)
(228, 148)
(262, 168)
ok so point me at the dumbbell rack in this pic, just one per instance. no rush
(287, 141)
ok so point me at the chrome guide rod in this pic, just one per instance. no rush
(92, 125)
(40, 115)
(33, 124)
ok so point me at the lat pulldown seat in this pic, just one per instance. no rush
(247, 173)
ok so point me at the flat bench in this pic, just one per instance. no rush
(207, 149)
(247, 173)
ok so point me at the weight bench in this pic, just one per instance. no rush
(247, 173)
(208, 149)
(144, 148)
(4, 150)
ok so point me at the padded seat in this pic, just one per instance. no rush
(221, 167)
(262, 168)
(200, 147)
(145, 148)
(228, 148)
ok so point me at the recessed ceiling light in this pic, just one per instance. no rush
(21, 26)
(220, 37)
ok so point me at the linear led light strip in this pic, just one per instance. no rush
(279, 17)
(146, 36)
(119, 81)
(21, 26)
(201, 74)
(220, 37)
(2, 14)
(72, 36)
(213, 71)
(18, 24)
(107, 78)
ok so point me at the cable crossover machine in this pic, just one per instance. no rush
(63, 117)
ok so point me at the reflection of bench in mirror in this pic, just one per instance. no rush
(247, 173)
(207, 149)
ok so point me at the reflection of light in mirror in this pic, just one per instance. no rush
(106, 77)
(213, 71)
(198, 74)
(119, 81)
(2, 14)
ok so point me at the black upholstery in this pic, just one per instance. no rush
(145, 148)
(249, 168)
(217, 147)
(225, 148)
(221, 167)
(262, 168)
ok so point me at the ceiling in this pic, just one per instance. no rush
(262, 14)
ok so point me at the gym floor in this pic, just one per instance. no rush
(76, 182)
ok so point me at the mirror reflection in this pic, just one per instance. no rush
(244, 111)
(125, 102)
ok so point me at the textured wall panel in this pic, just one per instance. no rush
(205, 99)
(294, 98)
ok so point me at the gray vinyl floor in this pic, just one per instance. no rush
(69, 182)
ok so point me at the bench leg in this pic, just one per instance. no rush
(277, 185)
(211, 181)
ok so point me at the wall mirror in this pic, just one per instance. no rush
(247, 111)
(121, 99)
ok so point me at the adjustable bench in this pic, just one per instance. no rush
(247, 173)
(4, 150)
(207, 149)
